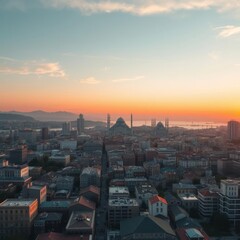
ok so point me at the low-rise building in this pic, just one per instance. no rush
(118, 192)
(64, 183)
(92, 193)
(188, 201)
(90, 176)
(146, 227)
(39, 192)
(180, 188)
(191, 234)
(82, 204)
(119, 209)
(144, 192)
(60, 157)
(16, 217)
(132, 182)
(68, 144)
(46, 222)
(16, 174)
(81, 222)
(134, 171)
(158, 206)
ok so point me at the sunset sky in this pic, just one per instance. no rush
(158, 58)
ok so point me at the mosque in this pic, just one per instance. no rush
(120, 128)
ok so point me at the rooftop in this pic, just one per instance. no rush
(92, 189)
(145, 224)
(208, 193)
(146, 188)
(52, 216)
(231, 181)
(55, 204)
(123, 202)
(116, 190)
(17, 202)
(81, 220)
(85, 202)
(156, 199)
(195, 233)
(188, 197)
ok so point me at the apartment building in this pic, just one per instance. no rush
(16, 217)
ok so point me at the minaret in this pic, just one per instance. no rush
(167, 124)
(153, 122)
(108, 121)
(131, 124)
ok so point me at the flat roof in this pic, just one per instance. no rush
(55, 204)
(188, 197)
(115, 190)
(17, 202)
(231, 181)
(123, 202)
(146, 188)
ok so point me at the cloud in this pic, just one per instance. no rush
(128, 79)
(143, 7)
(16, 67)
(89, 80)
(8, 59)
(228, 31)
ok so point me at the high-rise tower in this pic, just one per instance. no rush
(167, 124)
(233, 130)
(108, 121)
(131, 124)
(80, 124)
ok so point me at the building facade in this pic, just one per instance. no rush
(16, 217)
(229, 203)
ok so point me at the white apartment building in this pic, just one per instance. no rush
(230, 200)
(158, 206)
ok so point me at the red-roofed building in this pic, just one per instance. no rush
(91, 193)
(82, 204)
(158, 206)
(191, 234)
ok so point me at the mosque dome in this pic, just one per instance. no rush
(120, 128)
(160, 130)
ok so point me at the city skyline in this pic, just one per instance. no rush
(176, 59)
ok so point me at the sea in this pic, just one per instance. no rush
(184, 124)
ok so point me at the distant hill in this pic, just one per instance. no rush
(15, 117)
(50, 116)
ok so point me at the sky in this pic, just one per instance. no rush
(154, 58)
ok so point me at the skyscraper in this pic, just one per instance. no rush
(108, 121)
(44, 133)
(233, 130)
(66, 128)
(80, 124)
(131, 124)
